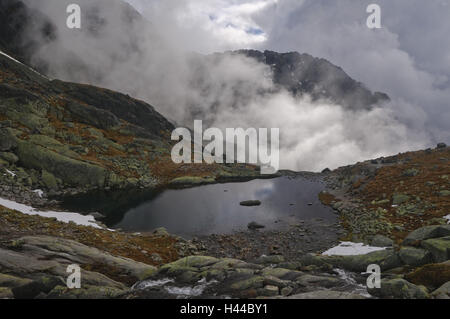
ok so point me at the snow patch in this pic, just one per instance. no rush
(60, 216)
(10, 173)
(17, 61)
(351, 249)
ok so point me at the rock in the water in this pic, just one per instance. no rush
(427, 232)
(381, 241)
(250, 203)
(399, 289)
(255, 225)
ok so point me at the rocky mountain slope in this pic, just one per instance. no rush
(59, 136)
(303, 74)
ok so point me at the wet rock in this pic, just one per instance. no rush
(322, 281)
(255, 226)
(399, 289)
(250, 203)
(398, 199)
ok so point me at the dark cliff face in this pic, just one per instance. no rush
(304, 74)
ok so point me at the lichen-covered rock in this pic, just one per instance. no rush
(425, 233)
(399, 289)
(381, 241)
(438, 247)
(415, 256)
(71, 171)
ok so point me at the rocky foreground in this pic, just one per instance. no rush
(405, 218)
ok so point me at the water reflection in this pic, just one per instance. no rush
(213, 208)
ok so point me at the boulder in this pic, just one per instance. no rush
(442, 292)
(255, 226)
(399, 289)
(49, 180)
(250, 203)
(399, 199)
(415, 256)
(11, 158)
(381, 241)
(439, 248)
(71, 171)
(7, 140)
(427, 232)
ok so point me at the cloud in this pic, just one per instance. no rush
(407, 58)
(155, 62)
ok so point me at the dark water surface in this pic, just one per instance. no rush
(210, 209)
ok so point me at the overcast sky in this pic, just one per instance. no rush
(409, 58)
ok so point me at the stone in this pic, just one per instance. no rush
(321, 281)
(11, 158)
(251, 283)
(381, 241)
(7, 140)
(398, 199)
(442, 292)
(270, 291)
(439, 248)
(399, 289)
(270, 260)
(441, 145)
(286, 291)
(427, 232)
(250, 203)
(49, 180)
(415, 256)
(12, 281)
(255, 226)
